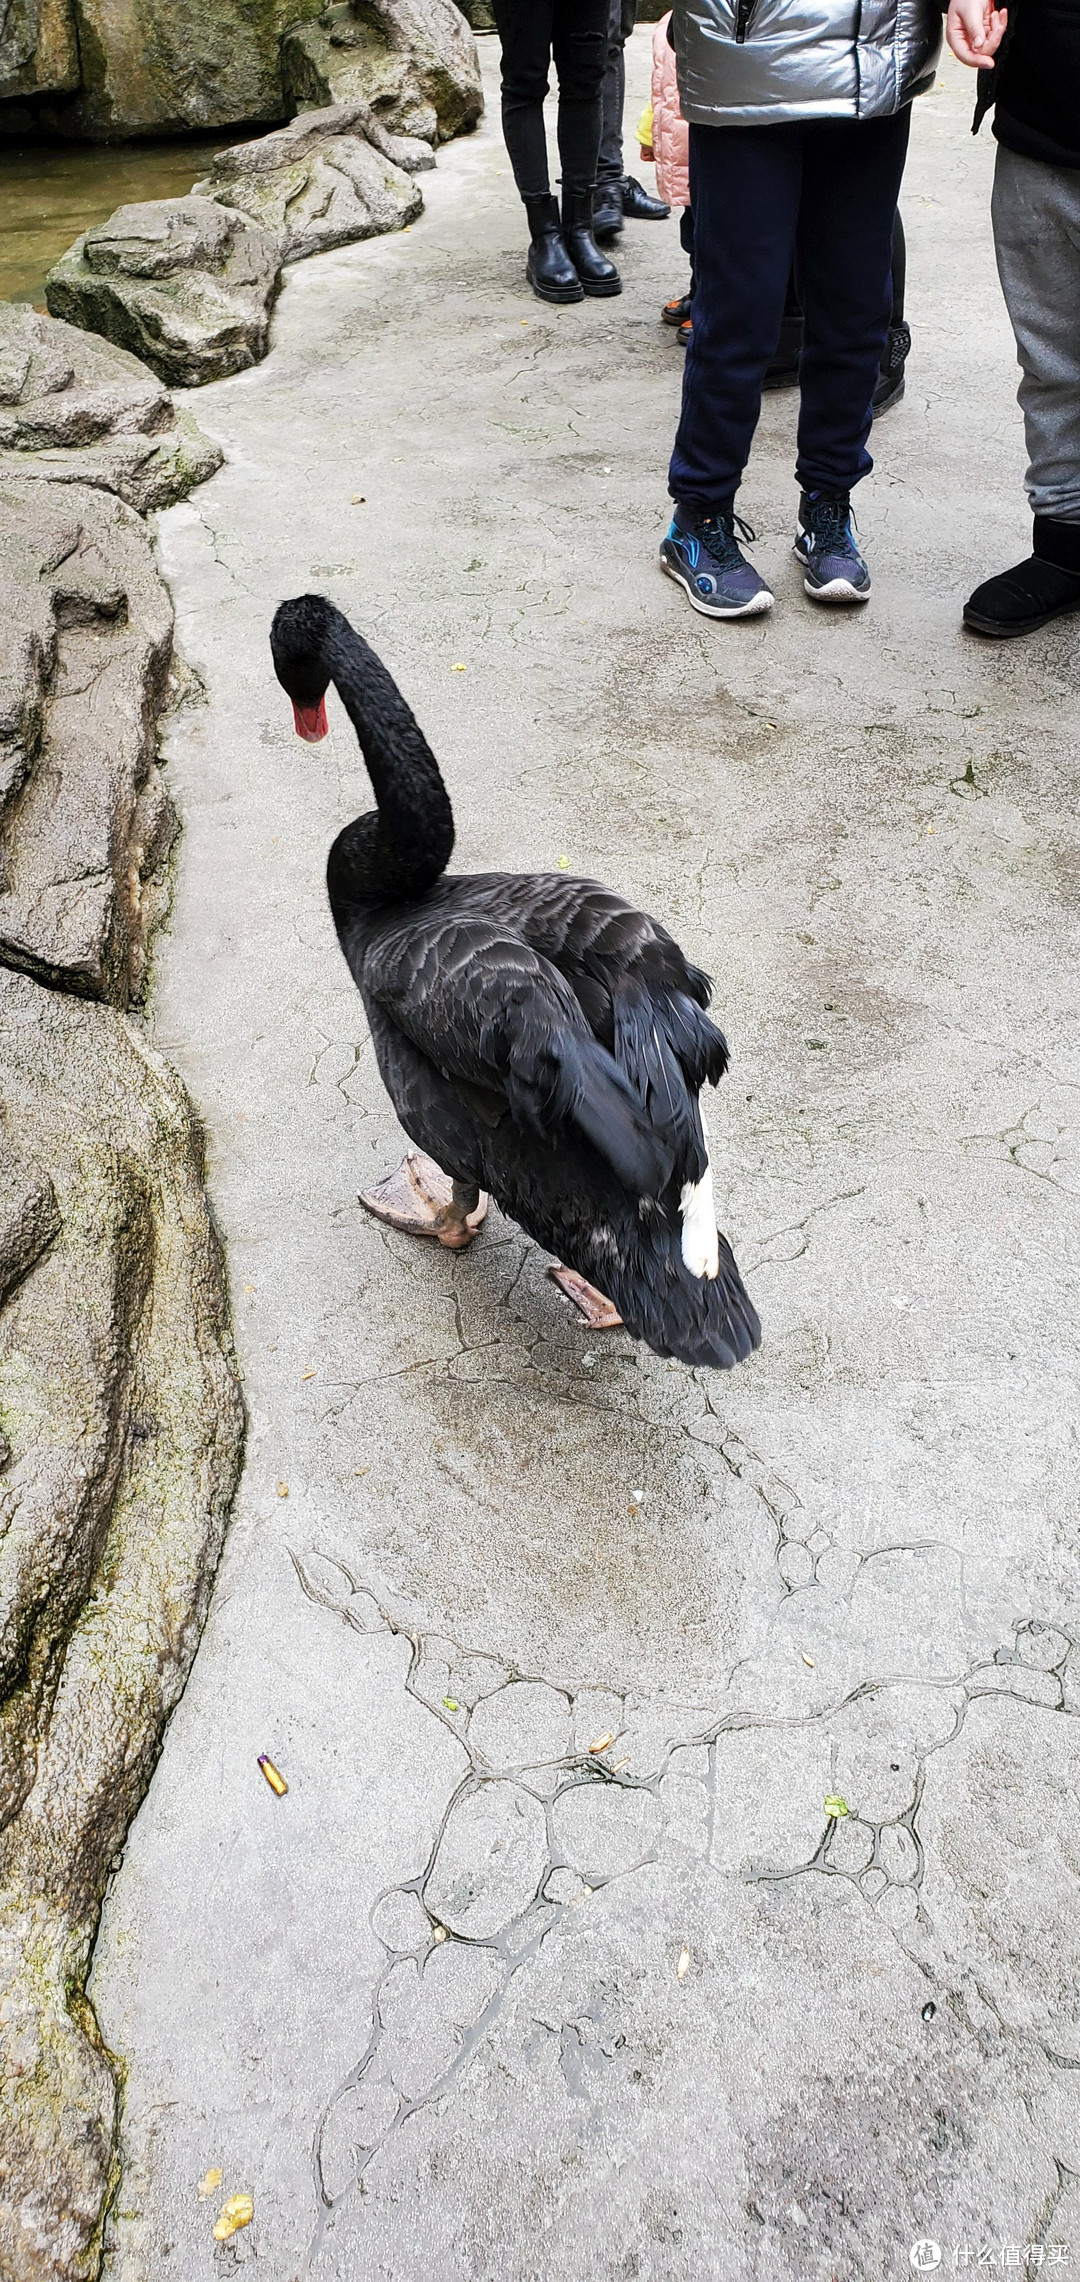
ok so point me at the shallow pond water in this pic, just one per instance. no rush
(50, 192)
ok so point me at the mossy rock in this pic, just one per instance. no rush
(185, 284)
(413, 61)
(39, 52)
(314, 189)
(176, 64)
(122, 1425)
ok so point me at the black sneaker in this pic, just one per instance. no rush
(889, 386)
(676, 312)
(835, 570)
(703, 554)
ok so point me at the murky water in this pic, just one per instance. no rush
(48, 194)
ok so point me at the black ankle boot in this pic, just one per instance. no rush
(597, 273)
(549, 269)
(1044, 587)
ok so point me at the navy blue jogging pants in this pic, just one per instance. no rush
(822, 193)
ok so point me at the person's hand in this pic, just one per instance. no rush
(646, 150)
(975, 30)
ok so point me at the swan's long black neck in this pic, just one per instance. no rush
(400, 851)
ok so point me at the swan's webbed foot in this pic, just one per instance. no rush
(422, 1200)
(590, 1303)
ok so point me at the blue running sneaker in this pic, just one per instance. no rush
(835, 570)
(702, 552)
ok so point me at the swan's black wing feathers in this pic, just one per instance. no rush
(487, 1010)
(640, 996)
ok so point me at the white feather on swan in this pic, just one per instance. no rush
(700, 1244)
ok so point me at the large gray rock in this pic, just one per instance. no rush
(175, 63)
(102, 69)
(122, 1426)
(120, 1416)
(414, 61)
(58, 387)
(328, 178)
(38, 48)
(184, 283)
(75, 408)
(145, 471)
(85, 821)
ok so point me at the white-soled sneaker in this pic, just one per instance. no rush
(825, 546)
(704, 555)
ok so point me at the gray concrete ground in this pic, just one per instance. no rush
(452, 2008)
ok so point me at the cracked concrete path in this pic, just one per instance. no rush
(562, 1958)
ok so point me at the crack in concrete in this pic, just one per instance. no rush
(797, 1228)
(216, 542)
(797, 1554)
(876, 1856)
(1016, 1138)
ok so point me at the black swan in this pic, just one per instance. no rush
(540, 1040)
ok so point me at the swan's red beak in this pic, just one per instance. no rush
(311, 721)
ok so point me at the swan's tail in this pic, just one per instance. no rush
(650, 1243)
(709, 1320)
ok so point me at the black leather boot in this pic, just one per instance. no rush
(597, 273)
(549, 269)
(1033, 592)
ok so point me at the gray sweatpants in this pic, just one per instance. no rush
(1036, 215)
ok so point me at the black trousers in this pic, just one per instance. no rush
(822, 193)
(575, 34)
(622, 16)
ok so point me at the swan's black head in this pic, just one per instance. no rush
(399, 851)
(299, 638)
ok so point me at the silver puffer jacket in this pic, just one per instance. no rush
(750, 62)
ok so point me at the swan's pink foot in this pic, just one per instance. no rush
(422, 1200)
(590, 1303)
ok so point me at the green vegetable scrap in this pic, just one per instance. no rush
(836, 1806)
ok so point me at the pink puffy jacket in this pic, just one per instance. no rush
(671, 138)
